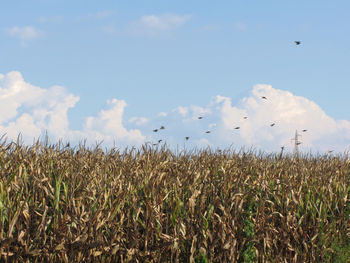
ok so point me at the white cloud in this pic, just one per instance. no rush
(108, 124)
(287, 111)
(138, 120)
(182, 110)
(25, 33)
(32, 111)
(163, 22)
(153, 24)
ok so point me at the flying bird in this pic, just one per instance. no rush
(207, 132)
(245, 117)
(187, 137)
(304, 130)
(237, 128)
(159, 141)
(162, 128)
(272, 124)
(200, 118)
(263, 97)
(155, 130)
(297, 42)
(298, 143)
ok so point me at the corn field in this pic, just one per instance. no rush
(64, 204)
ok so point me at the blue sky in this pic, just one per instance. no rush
(116, 70)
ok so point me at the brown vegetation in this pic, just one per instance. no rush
(152, 205)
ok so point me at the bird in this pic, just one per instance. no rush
(245, 117)
(281, 154)
(155, 130)
(304, 130)
(187, 137)
(237, 128)
(263, 97)
(330, 151)
(297, 42)
(200, 117)
(159, 141)
(162, 128)
(298, 143)
(207, 132)
(272, 124)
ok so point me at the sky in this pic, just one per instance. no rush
(113, 71)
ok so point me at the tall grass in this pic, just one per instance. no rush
(152, 205)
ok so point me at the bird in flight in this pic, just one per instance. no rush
(272, 124)
(237, 128)
(162, 128)
(263, 97)
(155, 130)
(200, 117)
(159, 141)
(245, 117)
(298, 143)
(207, 132)
(297, 43)
(304, 130)
(187, 137)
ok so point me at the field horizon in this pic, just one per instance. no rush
(63, 204)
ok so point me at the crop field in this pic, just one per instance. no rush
(64, 204)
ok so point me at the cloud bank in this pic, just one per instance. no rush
(33, 111)
(265, 124)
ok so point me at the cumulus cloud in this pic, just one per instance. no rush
(286, 111)
(110, 122)
(25, 33)
(32, 111)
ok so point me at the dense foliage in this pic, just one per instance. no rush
(153, 205)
